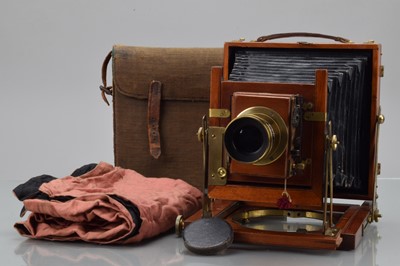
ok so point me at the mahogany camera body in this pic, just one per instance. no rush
(293, 127)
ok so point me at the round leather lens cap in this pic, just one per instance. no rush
(208, 236)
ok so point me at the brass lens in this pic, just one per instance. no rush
(258, 136)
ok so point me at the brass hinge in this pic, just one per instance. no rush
(241, 39)
(378, 168)
(315, 116)
(219, 113)
(382, 71)
(302, 165)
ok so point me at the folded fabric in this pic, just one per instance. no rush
(105, 204)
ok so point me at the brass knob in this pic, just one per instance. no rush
(179, 225)
(377, 215)
(381, 119)
(334, 143)
(308, 106)
(221, 172)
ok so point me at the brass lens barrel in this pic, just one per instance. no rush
(258, 136)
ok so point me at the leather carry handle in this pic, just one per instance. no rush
(301, 34)
(153, 108)
(104, 88)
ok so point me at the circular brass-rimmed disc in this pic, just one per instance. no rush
(275, 220)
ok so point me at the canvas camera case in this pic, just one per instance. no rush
(159, 95)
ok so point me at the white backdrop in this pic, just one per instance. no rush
(52, 117)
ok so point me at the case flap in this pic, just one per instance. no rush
(183, 72)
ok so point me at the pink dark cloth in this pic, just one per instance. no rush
(92, 215)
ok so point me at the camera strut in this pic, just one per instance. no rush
(332, 144)
(208, 235)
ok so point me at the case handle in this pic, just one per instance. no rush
(104, 88)
(302, 34)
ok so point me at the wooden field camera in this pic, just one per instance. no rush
(293, 127)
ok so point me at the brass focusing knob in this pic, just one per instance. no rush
(374, 216)
(381, 119)
(221, 172)
(377, 216)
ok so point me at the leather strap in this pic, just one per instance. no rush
(104, 88)
(302, 34)
(153, 118)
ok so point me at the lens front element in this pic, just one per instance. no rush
(248, 139)
(258, 135)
